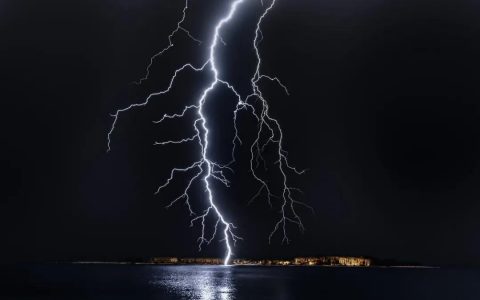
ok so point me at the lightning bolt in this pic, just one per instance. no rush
(206, 170)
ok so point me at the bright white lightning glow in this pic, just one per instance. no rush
(207, 169)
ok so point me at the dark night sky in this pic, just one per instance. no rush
(384, 113)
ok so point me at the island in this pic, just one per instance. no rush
(298, 261)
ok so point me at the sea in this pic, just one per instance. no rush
(145, 282)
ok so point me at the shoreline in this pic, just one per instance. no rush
(244, 265)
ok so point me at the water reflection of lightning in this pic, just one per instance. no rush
(206, 169)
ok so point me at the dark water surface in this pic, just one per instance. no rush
(68, 281)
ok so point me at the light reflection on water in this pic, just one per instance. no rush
(145, 282)
(202, 282)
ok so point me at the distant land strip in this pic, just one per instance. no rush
(339, 261)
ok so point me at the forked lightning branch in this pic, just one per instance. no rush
(207, 170)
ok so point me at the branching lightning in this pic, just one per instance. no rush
(206, 170)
